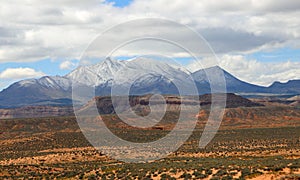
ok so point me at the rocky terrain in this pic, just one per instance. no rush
(137, 103)
(49, 148)
(36, 111)
(141, 103)
(278, 100)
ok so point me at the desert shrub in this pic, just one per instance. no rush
(228, 177)
(148, 176)
(215, 178)
(186, 176)
(112, 176)
(201, 176)
(164, 176)
(103, 177)
(233, 173)
(196, 173)
(246, 172)
(174, 171)
(221, 172)
(295, 165)
(254, 174)
(92, 177)
(208, 171)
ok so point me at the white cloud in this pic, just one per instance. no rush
(20, 73)
(67, 65)
(253, 71)
(63, 29)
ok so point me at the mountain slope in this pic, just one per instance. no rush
(233, 85)
(290, 87)
(138, 76)
(46, 90)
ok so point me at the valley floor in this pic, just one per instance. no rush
(55, 148)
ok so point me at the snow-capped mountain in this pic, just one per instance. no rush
(54, 90)
(95, 75)
(125, 72)
(144, 75)
(138, 76)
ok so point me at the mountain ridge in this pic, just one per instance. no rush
(156, 77)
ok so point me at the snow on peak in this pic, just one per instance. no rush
(27, 82)
(55, 82)
(123, 72)
(94, 75)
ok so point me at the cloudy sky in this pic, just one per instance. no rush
(257, 41)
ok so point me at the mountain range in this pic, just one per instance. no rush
(142, 75)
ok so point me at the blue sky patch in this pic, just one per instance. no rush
(120, 3)
(277, 55)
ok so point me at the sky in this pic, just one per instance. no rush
(257, 41)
